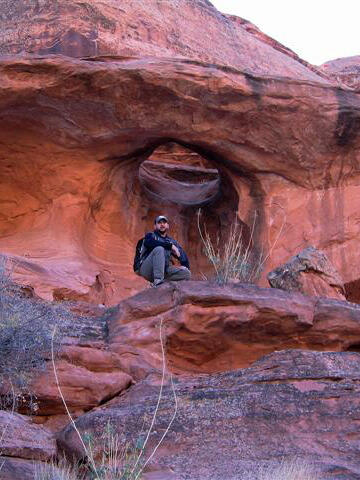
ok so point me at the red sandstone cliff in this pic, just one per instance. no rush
(282, 136)
(212, 113)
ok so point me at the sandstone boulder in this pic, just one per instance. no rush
(205, 329)
(309, 272)
(88, 373)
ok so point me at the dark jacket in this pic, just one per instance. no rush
(154, 239)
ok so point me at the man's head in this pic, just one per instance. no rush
(161, 224)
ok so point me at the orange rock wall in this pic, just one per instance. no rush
(73, 132)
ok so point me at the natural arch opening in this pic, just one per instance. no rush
(176, 180)
(178, 175)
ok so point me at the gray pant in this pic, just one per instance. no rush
(153, 268)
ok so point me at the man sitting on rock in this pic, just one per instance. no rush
(156, 254)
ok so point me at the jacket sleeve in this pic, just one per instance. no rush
(184, 261)
(151, 242)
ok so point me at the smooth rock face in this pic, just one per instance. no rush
(289, 404)
(178, 175)
(309, 272)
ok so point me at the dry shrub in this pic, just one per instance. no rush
(294, 469)
(235, 259)
(25, 336)
(107, 457)
(62, 470)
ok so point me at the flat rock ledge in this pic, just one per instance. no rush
(210, 329)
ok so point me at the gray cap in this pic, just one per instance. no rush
(161, 217)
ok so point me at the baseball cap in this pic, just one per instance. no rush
(161, 217)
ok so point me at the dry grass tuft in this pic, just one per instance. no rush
(235, 259)
(295, 469)
(107, 458)
(25, 339)
(56, 471)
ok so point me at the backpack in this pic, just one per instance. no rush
(137, 257)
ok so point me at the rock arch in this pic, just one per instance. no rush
(78, 137)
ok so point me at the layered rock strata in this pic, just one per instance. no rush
(345, 70)
(111, 362)
(211, 329)
(288, 405)
(171, 28)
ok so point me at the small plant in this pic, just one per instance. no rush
(294, 469)
(25, 340)
(62, 470)
(117, 461)
(234, 259)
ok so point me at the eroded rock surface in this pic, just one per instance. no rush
(309, 272)
(171, 28)
(23, 445)
(345, 70)
(21, 438)
(205, 329)
(88, 373)
(287, 405)
(300, 396)
(284, 139)
(281, 147)
(211, 329)
(176, 174)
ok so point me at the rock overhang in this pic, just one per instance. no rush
(275, 140)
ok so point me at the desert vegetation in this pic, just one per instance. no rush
(235, 258)
(106, 457)
(25, 339)
(290, 469)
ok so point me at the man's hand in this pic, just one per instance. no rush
(175, 250)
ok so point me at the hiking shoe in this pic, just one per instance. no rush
(157, 282)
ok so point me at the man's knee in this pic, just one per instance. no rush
(159, 250)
